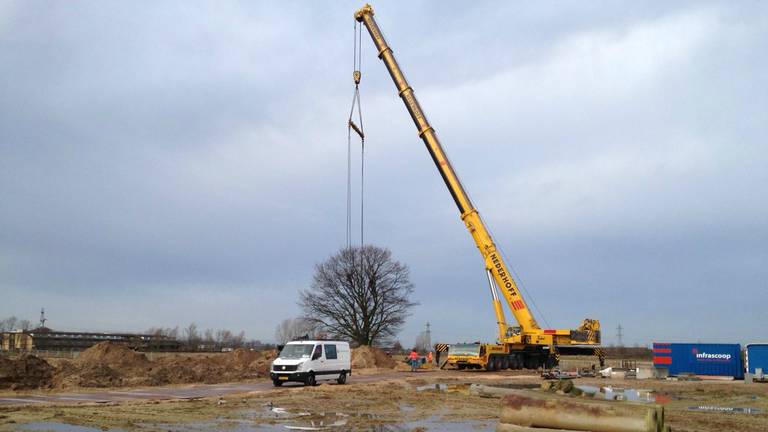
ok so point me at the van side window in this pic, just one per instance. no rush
(330, 352)
(318, 352)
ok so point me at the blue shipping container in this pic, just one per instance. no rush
(757, 357)
(699, 359)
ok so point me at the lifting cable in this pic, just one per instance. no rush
(358, 129)
(518, 279)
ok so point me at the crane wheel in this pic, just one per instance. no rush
(491, 365)
(532, 362)
(514, 361)
(504, 362)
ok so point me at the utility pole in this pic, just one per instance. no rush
(42, 317)
(619, 335)
(428, 338)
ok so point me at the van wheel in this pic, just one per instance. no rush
(342, 378)
(311, 380)
(277, 383)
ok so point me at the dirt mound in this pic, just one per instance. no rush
(105, 364)
(263, 363)
(26, 371)
(241, 357)
(235, 366)
(369, 357)
(73, 374)
(112, 355)
(112, 365)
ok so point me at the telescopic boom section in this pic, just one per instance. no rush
(493, 260)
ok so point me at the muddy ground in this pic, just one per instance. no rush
(110, 365)
(394, 403)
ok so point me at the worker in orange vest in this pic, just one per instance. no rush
(413, 358)
(429, 358)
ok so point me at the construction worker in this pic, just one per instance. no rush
(429, 358)
(413, 358)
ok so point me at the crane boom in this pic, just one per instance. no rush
(526, 346)
(469, 214)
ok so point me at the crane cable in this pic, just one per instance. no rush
(351, 126)
(517, 278)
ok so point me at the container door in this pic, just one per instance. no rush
(757, 357)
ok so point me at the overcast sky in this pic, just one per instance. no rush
(169, 162)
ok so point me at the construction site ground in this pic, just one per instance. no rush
(374, 399)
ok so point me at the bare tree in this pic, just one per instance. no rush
(8, 324)
(294, 328)
(192, 336)
(238, 340)
(359, 293)
(422, 343)
(397, 347)
(25, 324)
(224, 338)
(171, 332)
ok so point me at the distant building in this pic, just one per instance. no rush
(45, 339)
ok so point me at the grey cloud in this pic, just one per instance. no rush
(192, 156)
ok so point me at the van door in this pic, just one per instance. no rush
(343, 353)
(316, 360)
(332, 359)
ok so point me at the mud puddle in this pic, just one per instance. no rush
(442, 387)
(619, 394)
(60, 427)
(278, 419)
(720, 409)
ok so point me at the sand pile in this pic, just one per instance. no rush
(114, 365)
(365, 357)
(26, 371)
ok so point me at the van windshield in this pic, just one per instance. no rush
(295, 351)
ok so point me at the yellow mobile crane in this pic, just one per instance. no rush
(526, 345)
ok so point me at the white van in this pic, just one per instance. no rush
(310, 361)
